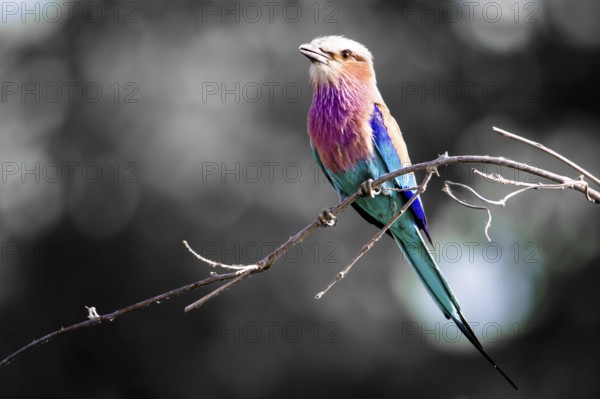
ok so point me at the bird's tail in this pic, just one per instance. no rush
(416, 252)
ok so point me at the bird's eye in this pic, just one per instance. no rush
(346, 54)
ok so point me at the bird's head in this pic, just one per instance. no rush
(336, 58)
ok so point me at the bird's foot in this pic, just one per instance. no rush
(367, 190)
(326, 218)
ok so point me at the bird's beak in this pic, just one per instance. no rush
(315, 54)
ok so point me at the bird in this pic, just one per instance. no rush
(354, 140)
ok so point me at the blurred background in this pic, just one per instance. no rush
(127, 127)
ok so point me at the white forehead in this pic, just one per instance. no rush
(338, 43)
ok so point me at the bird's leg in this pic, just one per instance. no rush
(366, 189)
(326, 218)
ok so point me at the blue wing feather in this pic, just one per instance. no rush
(387, 151)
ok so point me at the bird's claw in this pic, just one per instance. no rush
(367, 190)
(327, 219)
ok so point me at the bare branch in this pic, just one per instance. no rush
(548, 151)
(112, 316)
(242, 272)
(445, 160)
(496, 178)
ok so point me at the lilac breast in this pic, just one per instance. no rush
(338, 124)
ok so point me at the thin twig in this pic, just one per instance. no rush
(448, 191)
(212, 262)
(367, 247)
(548, 151)
(500, 202)
(497, 178)
(216, 292)
(445, 160)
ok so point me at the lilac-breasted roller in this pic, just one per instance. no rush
(354, 138)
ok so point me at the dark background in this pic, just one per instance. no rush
(128, 127)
